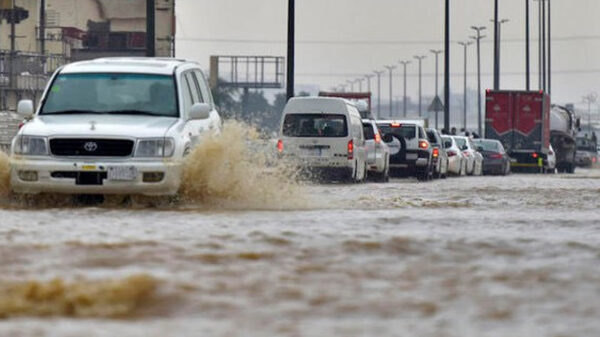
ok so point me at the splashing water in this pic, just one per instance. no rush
(4, 176)
(226, 170)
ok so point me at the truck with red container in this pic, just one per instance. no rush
(521, 121)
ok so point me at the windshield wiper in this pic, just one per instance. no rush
(73, 112)
(136, 112)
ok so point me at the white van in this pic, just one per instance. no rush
(325, 136)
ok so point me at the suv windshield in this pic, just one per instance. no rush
(137, 94)
(405, 131)
(315, 125)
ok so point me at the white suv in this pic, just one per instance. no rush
(113, 126)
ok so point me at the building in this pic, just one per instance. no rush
(31, 48)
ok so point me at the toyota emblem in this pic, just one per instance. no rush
(90, 146)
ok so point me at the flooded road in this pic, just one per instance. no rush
(484, 256)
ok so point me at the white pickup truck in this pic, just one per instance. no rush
(113, 126)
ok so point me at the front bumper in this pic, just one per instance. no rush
(47, 183)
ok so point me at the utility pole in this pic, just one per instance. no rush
(544, 46)
(497, 58)
(540, 68)
(291, 44)
(378, 74)
(12, 47)
(478, 40)
(465, 45)
(447, 67)
(496, 48)
(43, 33)
(549, 50)
(437, 54)
(405, 98)
(391, 70)
(527, 58)
(420, 58)
(150, 28)
(368, 77)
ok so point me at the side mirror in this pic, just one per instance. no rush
(200, 111)
(25, 108)
(480, 148)
(387, 138)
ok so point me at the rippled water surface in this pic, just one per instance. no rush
(490, 256)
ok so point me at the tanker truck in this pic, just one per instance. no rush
(563, 131)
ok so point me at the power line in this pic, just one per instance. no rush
(515, 73)
(374, 42)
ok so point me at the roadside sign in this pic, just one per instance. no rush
(436, 105)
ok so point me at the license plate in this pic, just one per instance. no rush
(411, 156)
(122, 173)
(317, 152)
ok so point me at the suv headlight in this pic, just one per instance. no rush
(156, 147)
(30, 146)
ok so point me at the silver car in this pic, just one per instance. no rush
(378, 153)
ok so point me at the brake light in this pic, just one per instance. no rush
(423, 144)
(451, 153)
(280, 146)
(377, 138)
(396, 125)
(351, 149)
(436, 152)
(467, 153)
(496, 156)
(594, 159)
(535, 155)
(21, 125)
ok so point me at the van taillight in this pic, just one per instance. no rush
(535, 155)
(423, 144)
(377, 138)
(436, 153)
(351, 149)
(280, 146)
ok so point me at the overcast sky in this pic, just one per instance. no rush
(339, 40)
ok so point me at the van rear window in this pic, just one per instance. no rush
(315, 125)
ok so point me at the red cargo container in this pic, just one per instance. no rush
(521, 121)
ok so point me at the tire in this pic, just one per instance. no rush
(382, 177)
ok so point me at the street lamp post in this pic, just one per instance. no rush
(404, 99)
(465, 45)
(437, 54)
(291, 48)
(360, 84)
(391, 70)
(478, 39)
(447, 66)
(497, 61)
(527, 57)
(420, 58)
(368, 77)
(378, 73)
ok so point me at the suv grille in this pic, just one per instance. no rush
(91, 147)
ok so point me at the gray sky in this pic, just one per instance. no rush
(340, 40)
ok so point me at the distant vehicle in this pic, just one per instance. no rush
(440, 157)
(495, 158)
(473, 157)
(325, 137)
(564, 127)
(410, 151)
(378, 153)
(587, 154)
(113, 126)
(521, 121)
(457, 164)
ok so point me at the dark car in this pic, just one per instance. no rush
(495, 158)
(586, 155)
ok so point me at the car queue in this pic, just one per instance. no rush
(328, 138)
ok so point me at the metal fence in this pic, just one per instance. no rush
(27, 71)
